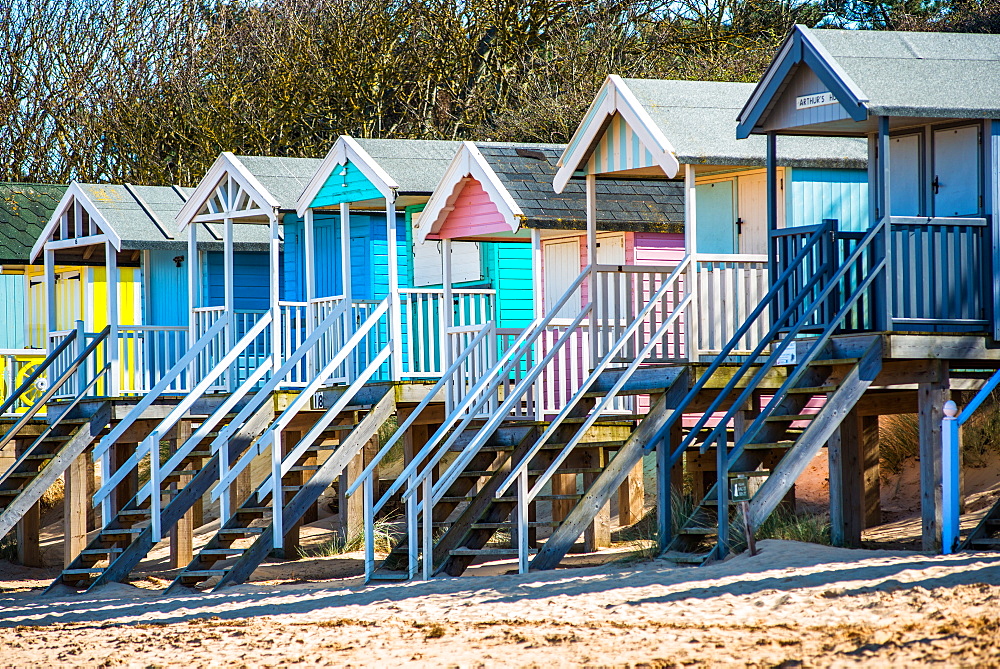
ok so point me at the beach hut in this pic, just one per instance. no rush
(911, 292)
(24, 211)
(642, 323)
(362, 184)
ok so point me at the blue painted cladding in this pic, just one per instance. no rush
(370, 256)
(350, 187)
(251, 280)
(816, 194)
(12, 324)
(507, 267)
(167, 293)
(326, 234)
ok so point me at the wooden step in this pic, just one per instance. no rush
(703, 531)
(85, 571)
(791, 417)
(240, 531)
(761, 446)
(202, 574)
(834, 361)
(685, 558)
(812, 390)
(986, 543)
(560, 445)
(221, 551)
(253, 511)
(497, 552)
(121, 532)
(101, 551)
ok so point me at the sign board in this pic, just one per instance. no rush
(740, 489)
(789, 356)
(815, 100)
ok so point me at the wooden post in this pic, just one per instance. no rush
(846, 496)
(631, 497)
(870, 467)
(182, 533)
(29, 552)
(75, 510)
(563, 484)
(395, 313)
(691, 246)
(931, 397)
(229, 292)
(598, 532)
(111, 278)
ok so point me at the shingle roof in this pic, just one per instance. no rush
(922, 74)
(699, 119)
(143, 217)
(527, 170)
(284, 178)
(24, 211)
(416, 165)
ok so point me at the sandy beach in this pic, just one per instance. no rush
(793, 604)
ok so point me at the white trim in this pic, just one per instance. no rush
(225, 165)
(619, 99)
(73, 195)
(468, 163)
(346, 149)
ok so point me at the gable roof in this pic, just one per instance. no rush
(284, 178)
(518, 179)
(889, 73)
(24, 211)
(393, 166)
(698, 118)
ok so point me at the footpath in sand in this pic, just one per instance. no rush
(794, 604)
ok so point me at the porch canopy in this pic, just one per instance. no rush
(929, 105)
(243, 193)
(372, 175)
(503, 192)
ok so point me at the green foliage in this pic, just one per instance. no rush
(8, 547)
(899, 441)
(386, 534)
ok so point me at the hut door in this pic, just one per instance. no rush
(955, 184)
(752, 209)
(611, 251)
(561, 261)
(904, 177)
(714, 217)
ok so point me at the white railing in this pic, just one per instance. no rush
(146, 353)
(88, 369)
(241, 321)
(16, 365)
(295, 327)
(423, 315)
(475, 355)
(727, 289)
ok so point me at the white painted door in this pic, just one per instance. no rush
(561, 260)
(904, 179)
(751, 198)
(427, 263)
(611, 302)
(955, 184)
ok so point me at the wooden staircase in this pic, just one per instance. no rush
(844, 381)
(121, 544)
(45, 460)
(986, 535)
(247, 537)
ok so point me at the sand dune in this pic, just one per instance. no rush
(793, 602)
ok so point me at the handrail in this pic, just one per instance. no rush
(289, 413)
(651, 303)
(434, 391)
(179, 368)
(113, 479)
(54, 424)
(54, 387)
(487, 384)
(45, 364)
(951, 464)
(772, 294)
(455, 469)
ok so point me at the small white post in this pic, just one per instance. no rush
(81, 346)
(412, 533)
(275, 289)
(591, 260)
(345, 281)
(447, 312)
(229, 293)
(312, 317)
(395, 318)
(428, 548)
(369, 520)
(950, 486)
(538, 301)
(522, 522)
(152, 442)
(111, 272)
(194, 297)
(50, 296)
(691, 248)
(277, 496)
